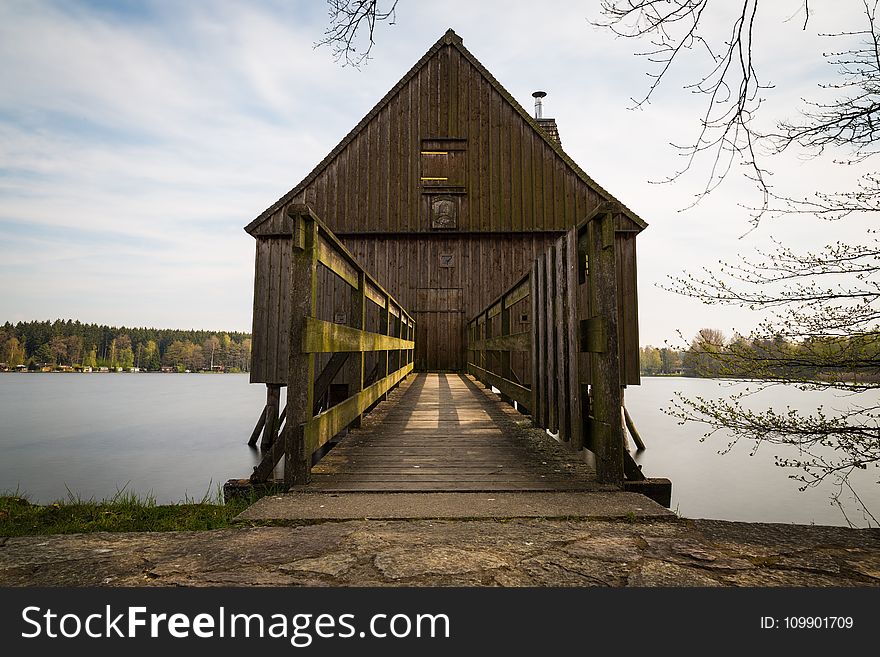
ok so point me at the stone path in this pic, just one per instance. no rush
(508, 552)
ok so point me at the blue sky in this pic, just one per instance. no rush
(138, 138)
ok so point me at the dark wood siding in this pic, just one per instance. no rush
(474, 270)
(514, 180)
(271, 314)
(482, 266)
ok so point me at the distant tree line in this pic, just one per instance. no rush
(74, 344)
(853, 358)
(655, 361)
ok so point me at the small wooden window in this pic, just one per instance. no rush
(447, 260)
(444, 164)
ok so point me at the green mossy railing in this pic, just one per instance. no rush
(305, 431)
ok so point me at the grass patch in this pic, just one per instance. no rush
(125, 512)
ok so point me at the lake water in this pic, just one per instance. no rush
(738, 485)
(176, 436)
(180, 436)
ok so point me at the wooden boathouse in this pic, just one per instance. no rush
(450, 237)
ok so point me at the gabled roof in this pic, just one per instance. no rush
(450, 38)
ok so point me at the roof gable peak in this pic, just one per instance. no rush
(452, 39)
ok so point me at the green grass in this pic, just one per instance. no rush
(125, 512)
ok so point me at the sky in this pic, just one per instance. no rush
(138, 138)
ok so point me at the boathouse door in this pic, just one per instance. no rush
(439, 316)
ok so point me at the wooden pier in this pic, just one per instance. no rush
(447, 433)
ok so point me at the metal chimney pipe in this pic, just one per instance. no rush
(539, 108)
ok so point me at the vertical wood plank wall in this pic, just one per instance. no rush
(442, 299)
(515, 181)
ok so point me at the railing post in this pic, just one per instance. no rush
(358, 316)
(471, 357)
(412, 334)
(540, 410)
(550, 419)
(560, 330)
(576, 420)
(384, 358)
(400, 330)
(535, 345)
(301, 366)
(481, 336)
(489, 354)
(602, 341)
(506, 371)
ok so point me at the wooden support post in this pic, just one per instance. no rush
(263, 470)
(631, 469)
(577, 420)
(605, 360)
(258, 429)
(301, 366)
(281, 417)
(630, 425)
(270, 430)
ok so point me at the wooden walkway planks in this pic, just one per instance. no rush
(445, 432)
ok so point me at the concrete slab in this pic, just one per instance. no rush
(314, 506)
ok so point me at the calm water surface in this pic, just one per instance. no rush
(179, 436)
(737, 485)
(176, 436)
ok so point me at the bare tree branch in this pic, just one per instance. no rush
(731, 84)
(349, 20)
(848, 124)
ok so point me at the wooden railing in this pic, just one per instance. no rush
(571, 345)
(309, 425)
